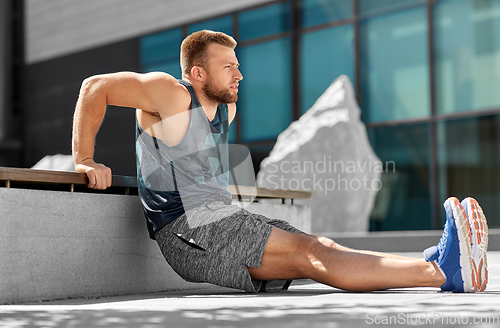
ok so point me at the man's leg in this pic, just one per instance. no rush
(295, 256)
(330, 243)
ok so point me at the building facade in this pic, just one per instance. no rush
(426, 75)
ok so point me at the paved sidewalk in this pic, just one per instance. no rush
(306, 304)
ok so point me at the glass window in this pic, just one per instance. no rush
(264, 21)
(404, 202)
(223, 24)
(161, 52)
(314, 12)
(467, 55)
(394, 66)
(258, 155)
(171, 67)
(469, 162)
(326, 55)
(265, 92)
(374, 6)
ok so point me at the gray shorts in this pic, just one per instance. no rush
(215, 243)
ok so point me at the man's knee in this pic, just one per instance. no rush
(291, 256)
(316, 253)
(330, 243)
(309, 253)
(289, 252)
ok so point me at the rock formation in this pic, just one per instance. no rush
(328, 153)
(56, 162)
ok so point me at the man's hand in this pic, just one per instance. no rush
(99, 175)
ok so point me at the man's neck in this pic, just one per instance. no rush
(209, 106)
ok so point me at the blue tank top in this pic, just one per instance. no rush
(174, 179)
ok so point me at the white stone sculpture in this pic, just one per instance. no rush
(327, 152)
(56, 162)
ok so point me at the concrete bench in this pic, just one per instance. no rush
(59, 239)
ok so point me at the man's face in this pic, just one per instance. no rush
(223, 77)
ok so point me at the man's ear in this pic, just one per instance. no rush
(198, 73)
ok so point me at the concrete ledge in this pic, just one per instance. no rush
(59, 245)
(400, 241)
(56, 245)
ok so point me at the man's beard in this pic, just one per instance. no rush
(220, 96)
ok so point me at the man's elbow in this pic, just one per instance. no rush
(91, 84)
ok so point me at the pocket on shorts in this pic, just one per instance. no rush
(190, 242)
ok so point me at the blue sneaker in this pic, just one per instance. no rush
(479, 243)
(453, 253)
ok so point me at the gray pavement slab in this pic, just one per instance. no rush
(305, 304)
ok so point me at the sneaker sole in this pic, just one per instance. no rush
(463, 233)
(479, 243)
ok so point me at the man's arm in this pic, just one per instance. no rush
(127, 89)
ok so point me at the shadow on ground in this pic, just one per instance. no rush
(306, 305)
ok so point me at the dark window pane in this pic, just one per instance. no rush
(404, 201)
(265, 98)
(326, 55)
(469, 162)
(264, 21)
(394, 66)
(171, 67)
(467, 55)
(160, 52)
(258, 155)
(314, 12)
(223, 24)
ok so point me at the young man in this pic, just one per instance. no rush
(183, 173)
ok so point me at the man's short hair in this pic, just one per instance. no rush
(194, 48)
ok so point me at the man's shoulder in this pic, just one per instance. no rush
(167, 91)
(161, 80)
